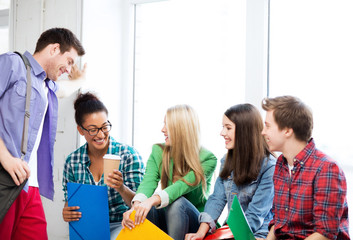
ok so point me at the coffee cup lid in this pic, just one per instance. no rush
(112, 156)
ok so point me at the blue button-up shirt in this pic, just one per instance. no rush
(13, 84)
(255, 199)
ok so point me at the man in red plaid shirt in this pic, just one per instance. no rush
(310, 188)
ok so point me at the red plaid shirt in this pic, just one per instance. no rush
(312, 199)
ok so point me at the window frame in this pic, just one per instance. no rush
(256, 72)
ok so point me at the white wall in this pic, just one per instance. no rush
(66, 142)
(108, 40)
(256, 51)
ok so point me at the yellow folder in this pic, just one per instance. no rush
(144, 231)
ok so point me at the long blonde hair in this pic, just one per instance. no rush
(184, 135)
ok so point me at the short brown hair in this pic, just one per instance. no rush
(291, 112)
(63, 36)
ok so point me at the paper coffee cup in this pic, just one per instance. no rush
(111, 162)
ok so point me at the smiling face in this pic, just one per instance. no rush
(228, 132)
(274, 137)
(60, 63)
(165, 132)
(95, 120)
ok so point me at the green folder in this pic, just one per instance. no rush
(237, 222)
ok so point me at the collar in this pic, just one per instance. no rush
(303, 155)
(36, 67)
(84, 151)
(39, 71)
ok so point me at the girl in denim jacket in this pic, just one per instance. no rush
(246, 171)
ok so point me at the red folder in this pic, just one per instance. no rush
(221, 233)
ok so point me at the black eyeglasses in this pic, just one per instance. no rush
(95, 131)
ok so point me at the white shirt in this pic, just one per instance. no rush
(33, 179)
(290, 169)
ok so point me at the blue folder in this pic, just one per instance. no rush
(93, 203)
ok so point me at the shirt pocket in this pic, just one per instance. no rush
(21, 90)
(245, 193)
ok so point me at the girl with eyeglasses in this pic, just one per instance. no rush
(85, 165)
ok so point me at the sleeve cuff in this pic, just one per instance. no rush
(164, 199)
(206, 218)
(139, 197)
(272, 222)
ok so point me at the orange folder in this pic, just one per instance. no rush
(144, 231)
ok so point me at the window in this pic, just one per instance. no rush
(183, 57)
(311, 57)
(4, 25)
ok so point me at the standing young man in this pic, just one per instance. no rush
(56, 51)
(310, 188)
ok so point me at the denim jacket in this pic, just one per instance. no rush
(255, 199)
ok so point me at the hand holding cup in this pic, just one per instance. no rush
(112, 176)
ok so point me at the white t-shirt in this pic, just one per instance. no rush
(33, 179)
(290, 169)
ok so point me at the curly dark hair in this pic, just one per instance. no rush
(87, 103)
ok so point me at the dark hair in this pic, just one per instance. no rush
(291, 112)
(245, 159)
(87, 103)
(63, 36)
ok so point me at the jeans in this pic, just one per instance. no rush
(115, 228)
(177, 219)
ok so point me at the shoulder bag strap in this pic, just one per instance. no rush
(28, 101)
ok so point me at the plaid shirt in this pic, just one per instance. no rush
(76, 170)
(312, 199)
